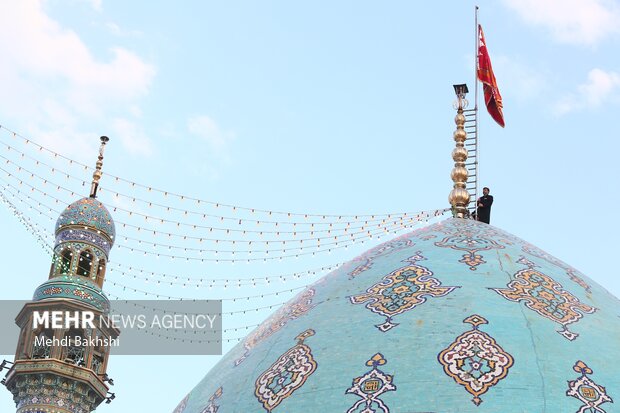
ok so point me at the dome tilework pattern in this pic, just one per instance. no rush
(87, 212)
(458, 316)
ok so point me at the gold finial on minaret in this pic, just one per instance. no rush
(97, 174)
(459, 197)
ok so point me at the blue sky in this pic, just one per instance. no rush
(315, 107)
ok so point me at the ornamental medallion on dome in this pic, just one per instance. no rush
(475, 360)
(400, 291)
(383, 250)
(300, 306)
(370, 386)
(570, 271)
(287, 374)
(587, 391)
(471, 239)
(546, 296)
(212, 407)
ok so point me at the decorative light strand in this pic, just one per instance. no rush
(188, 281)
(361, 235)
(172, 279)
(49, 250)
(204, 282)
(184, 197)
(300, 250)
(46, 247)
(347, 231)
(186, 212)
(231, 299)
(235, 312)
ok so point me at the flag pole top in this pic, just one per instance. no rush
(459, 197)
(97, 174)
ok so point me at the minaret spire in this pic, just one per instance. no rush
(64, 370)
(459, 197)
(97, 174)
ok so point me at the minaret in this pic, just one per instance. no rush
(459, 197)
(63, 370)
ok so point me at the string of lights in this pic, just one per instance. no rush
(328, 247)
(49, 250)
(185, 212)
(242, 311)
(309, 227)
(32, 228)
(181, 197)
(230, 329)
(35, 229)
(301, 251)
(147, 293)
(193, 340)
(348, 232)
(207, 282)
(171, 279)
(210, 282)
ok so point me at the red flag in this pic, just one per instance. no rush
(492, 98)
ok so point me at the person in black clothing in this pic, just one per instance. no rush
(484, 206)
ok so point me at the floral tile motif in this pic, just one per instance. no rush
(475, 360)
(586, 391)
(400, 291)
(287, 374)
(545, 296)
(370, 386)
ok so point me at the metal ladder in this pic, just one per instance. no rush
(471, 144)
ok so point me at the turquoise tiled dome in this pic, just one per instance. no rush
(458, 316)
(90, 213)
(75, 288)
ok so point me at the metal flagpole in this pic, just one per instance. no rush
(477, 37)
